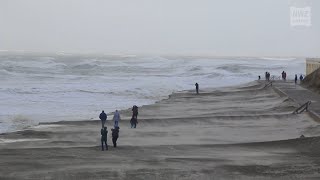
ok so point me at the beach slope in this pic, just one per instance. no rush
(243, 132)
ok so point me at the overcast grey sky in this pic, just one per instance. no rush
(180, 27)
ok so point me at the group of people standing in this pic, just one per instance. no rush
(283, 76)
(115, 131)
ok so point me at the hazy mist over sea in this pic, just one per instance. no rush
(161, 27)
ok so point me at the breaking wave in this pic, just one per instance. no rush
(64, 87)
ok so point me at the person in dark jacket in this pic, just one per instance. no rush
(104, 133)
(301, 78)
(284, 76)
(115, 136)
(295, 79)
(103, 118)
(266, 75)
(197, 88)
(133, 122)
(135, 111)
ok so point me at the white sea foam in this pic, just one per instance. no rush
(78, 87)
(19, 140)
(46, 126)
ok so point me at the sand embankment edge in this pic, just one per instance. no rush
(315, 116)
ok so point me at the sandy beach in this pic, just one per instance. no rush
(242, 132)
(255, 64)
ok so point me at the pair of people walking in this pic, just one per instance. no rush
(104, 132)
(116, 118)
(296, 78)
(267, 76)
(115, 136)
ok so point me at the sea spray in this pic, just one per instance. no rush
(38, 88)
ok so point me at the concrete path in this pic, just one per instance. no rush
(301, 95)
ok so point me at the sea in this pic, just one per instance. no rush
(65, 87)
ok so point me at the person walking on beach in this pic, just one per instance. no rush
(197, 88)
(115, 136)
(133, 122)
(103, 118)
(295, 79)
(116, 118)
(284, 76)
(301, 78)
(135, 111)
(104, 133)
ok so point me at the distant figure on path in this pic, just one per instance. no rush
(197, 88)
(135, 111)
(259, 77)
(116, 118)
(104, 133)
(103, 118)
(115, 136)
(266, 76)
(301, 78)
(134, 122)
(295, 79)
(284, 76)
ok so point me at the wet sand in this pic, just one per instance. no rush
(243, 132)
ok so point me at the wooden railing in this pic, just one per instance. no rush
(302, 108)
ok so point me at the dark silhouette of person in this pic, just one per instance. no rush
(197, 88)
(301, 77)
(282, 75)
(133, 122)
(266, 75)
(103, 118)
(135, 111)
(259, 77)
(115, 136)
(104, 133)
(295, 79)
